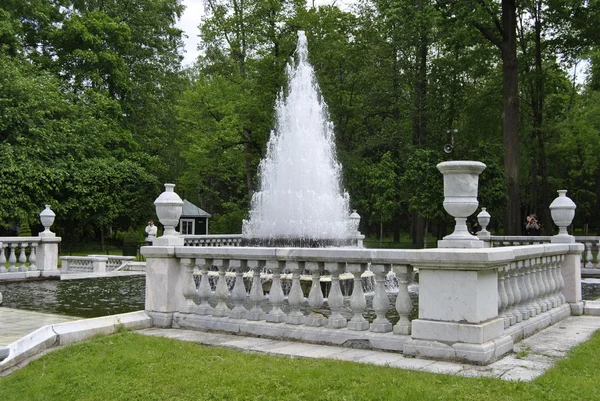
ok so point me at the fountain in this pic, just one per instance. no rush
(300, 201)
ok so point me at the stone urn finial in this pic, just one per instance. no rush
(483, 218)
(562, 210)
(47, 217)
(461, 182)
(354, 220)
(168, 209)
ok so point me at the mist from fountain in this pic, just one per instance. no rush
(300, 201)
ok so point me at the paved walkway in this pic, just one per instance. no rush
(533, 356)
(16, 323)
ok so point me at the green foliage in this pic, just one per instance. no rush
(87, 93)
(423, 188)
(24, 229)
(131, 237)
(96, 111)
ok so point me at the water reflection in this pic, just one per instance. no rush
(81, 298)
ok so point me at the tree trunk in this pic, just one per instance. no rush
(597, 201)
(512, 223)
(417, 229)
(538, 122)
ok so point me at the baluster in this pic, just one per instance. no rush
(335, 300)
(403, 304)
(189, 286)
(544, 273)
(597, 264)
(204, 291)
(381, 303)
(514, 274)
(510, 297)
(276, 297)
(358, 303)
(552, 284)
(238, 294)
(12, 259)
(315, 296)
(588, 256)
(502, 299)
(295, 297)
(533, 265)
(555, 290)
(560, 280)
(525, 311)
(256, 291)
(221, 291)
(23, 258)
(33, 257)
(539, 264)
(527, 290)
(2, 258)
(532, 306)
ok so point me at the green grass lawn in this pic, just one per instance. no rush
(128, 366)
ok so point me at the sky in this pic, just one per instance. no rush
(191, 19)
(189, 24)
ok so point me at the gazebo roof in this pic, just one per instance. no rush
(191, 210)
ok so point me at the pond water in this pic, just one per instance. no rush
(107, 296)
(81, 298)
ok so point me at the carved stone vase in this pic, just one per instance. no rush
(461, 182)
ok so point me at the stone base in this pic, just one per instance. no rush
(591, 308)
(358, 325)
(316, 335)
(315, 320)
(480, 354)
(161, 319)
(296, 319)
(451, 332)
(576, 308)
(537, 323)
(384, 327)
(279, 317)
(22, 275)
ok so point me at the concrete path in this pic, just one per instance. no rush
(532, 357)
(16, 323)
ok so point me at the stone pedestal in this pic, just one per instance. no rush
(571, 272)
(164, 284)
(458, 307)
(47, 255)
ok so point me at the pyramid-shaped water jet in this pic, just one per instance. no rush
(300, 201)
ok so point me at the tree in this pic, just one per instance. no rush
(499, 27)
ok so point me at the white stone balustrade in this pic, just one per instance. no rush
(22, 257)
(473, 303)
(589, 256)
(83, 264)
(114, 262)
(212, 240)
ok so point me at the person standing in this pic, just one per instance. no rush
(151, 231)
(532, 227)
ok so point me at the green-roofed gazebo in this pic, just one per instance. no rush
(193, 221)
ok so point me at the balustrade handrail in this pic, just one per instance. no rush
(590, 258)
(471, 258)
(85, 258)
(211, 236)
(20, 239)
